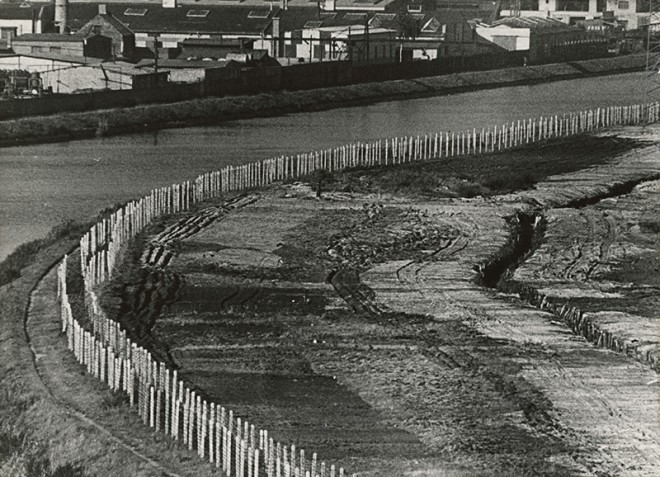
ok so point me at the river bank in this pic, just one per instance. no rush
(70, 126)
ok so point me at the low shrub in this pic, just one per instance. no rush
(10, 268)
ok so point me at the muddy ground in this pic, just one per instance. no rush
(359, 324)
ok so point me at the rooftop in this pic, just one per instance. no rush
(142, 17)
(22, 11)
(534, 23)
(51, 37)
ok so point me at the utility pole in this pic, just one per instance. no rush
(366, 32)
(515, 8)
(156, 45)
(653, 51)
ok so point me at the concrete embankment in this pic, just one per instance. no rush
(67, 126)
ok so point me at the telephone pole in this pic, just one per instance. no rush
(653, 51)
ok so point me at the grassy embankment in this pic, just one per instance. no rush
(68, 126)
(29, 418)
(484, 175)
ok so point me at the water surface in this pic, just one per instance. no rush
(43, 185)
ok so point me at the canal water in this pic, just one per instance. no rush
(43, 185)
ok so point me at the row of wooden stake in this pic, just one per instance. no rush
(110, 233)
(166, 404)
(162, 399)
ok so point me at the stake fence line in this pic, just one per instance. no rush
(162, 400)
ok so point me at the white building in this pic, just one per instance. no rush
(23, 18)
(631, 14)
(333, 43)
(71, 75)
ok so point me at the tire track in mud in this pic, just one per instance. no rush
(156, 289)
(576, 393)
(346, 278)
(591, 252)
(160, 251)
(460, 350)
(588, 256)
(582, 397)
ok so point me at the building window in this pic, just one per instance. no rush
(135, 12)
(313, 24)
(643, 6)
(530, 5)
(432, 26)
(573, 5)
(7, 33)
(259, 14)
(197, 13)
(414, 8)
(623, 5)
(355, 17)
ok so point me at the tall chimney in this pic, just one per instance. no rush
(275, 38)
(61, 9)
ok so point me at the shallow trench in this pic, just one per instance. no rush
(527, 234)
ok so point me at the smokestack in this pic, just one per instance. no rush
(61, 10)
(276, 37)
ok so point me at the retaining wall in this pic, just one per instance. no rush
(162, 400)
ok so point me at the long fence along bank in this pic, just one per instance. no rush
(164, 401)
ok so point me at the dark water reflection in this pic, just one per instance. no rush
(42, 185)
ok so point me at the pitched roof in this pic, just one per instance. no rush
(534, 23)
(21, 11)
(145, 17)
(119, 26)
(234, 17)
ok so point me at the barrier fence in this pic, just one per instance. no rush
(163, 401)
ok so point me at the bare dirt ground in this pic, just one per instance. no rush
(357, 325)
(603, 258)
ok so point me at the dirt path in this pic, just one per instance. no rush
(110, 428)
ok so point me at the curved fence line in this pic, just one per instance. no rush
(162, 400)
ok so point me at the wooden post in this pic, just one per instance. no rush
(152, 407)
